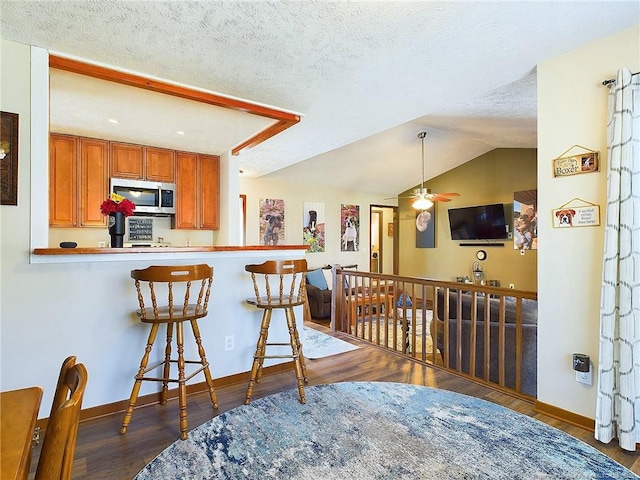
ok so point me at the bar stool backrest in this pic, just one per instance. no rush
(58, 447)
(287, 277)
(169, 283)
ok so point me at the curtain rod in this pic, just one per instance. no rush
(611, 81)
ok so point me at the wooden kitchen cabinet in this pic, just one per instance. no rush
(94, 181)
(197, 191)
(138, 162)
(78, 181)
(209, 191)
(63, 181)
(126, 161)
(160, 165)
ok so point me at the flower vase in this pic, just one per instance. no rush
(116, 229)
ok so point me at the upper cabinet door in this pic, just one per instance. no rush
(63, 181)
(94, 181)
(126, 161)
(209, 176)
(160, 165)
(186, 191)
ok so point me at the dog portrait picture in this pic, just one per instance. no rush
(565, 217)
(350, 228)
(271, 222)
(525, 220)
(313, 226)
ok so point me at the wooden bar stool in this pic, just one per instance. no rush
(289, 278)
(174, 280)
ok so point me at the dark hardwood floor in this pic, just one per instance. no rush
(102, 453)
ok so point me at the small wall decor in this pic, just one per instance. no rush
(390, 229)
(350, 228)
(8, 158)
(576, 213)
(271, 222)
(313, 229)
(426, 229)
(140, 229)
(585, 162)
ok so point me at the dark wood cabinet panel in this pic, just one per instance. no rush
(160, 164)
(63, 181)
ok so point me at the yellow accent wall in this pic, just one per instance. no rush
(490, 178)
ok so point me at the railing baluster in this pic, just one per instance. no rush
(372, 297)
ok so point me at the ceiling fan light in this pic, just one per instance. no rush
(422, 204)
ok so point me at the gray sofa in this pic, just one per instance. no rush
(529, 338)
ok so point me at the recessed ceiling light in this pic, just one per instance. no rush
(180, 132)
(113, 120)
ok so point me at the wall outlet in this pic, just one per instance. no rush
(522, 252)
(228, 343)
(512, 286)
(585, 377)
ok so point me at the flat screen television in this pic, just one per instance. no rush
(483, 222)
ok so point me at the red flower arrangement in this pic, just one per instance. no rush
(117, 204)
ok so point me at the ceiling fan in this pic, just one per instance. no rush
(424, 199)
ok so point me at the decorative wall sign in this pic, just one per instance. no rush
(271, 222)
(313, 229)
(586, 162)
(140, 229)
(8, 158)
(576, 213)
(350, 228)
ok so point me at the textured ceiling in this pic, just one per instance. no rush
(366, 76)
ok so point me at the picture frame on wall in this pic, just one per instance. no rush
(426, 229)
(8, 158)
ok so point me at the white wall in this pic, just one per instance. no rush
(572, 110)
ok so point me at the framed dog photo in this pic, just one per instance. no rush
(574, 216)
(9, 158)
(350, 228)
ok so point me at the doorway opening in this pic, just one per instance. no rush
(383, 239)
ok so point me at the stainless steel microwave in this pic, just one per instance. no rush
(150, 198)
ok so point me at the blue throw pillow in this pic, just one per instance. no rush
(316, 278)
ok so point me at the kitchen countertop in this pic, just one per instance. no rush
(131, 250)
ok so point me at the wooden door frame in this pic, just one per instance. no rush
(396, 225)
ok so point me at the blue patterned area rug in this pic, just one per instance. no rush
(316, 344)
(379, 431)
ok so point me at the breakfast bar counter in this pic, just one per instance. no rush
(89, 294)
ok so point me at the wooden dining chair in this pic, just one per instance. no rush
(278, 284)
(58, 446)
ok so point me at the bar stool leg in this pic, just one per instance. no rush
(182, 383)
(138, 377)
(167, 365)
(258, 358)
(302, 360)
(205, 363)
(291, 323)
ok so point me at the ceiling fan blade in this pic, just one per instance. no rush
(448, 194)
(439, 198)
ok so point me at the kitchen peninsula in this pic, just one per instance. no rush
(87, 302)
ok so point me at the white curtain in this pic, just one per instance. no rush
(618, 398)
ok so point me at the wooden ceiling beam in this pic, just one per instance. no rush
(283, 119)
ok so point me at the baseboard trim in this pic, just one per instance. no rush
(565, 415)
(154, 398)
